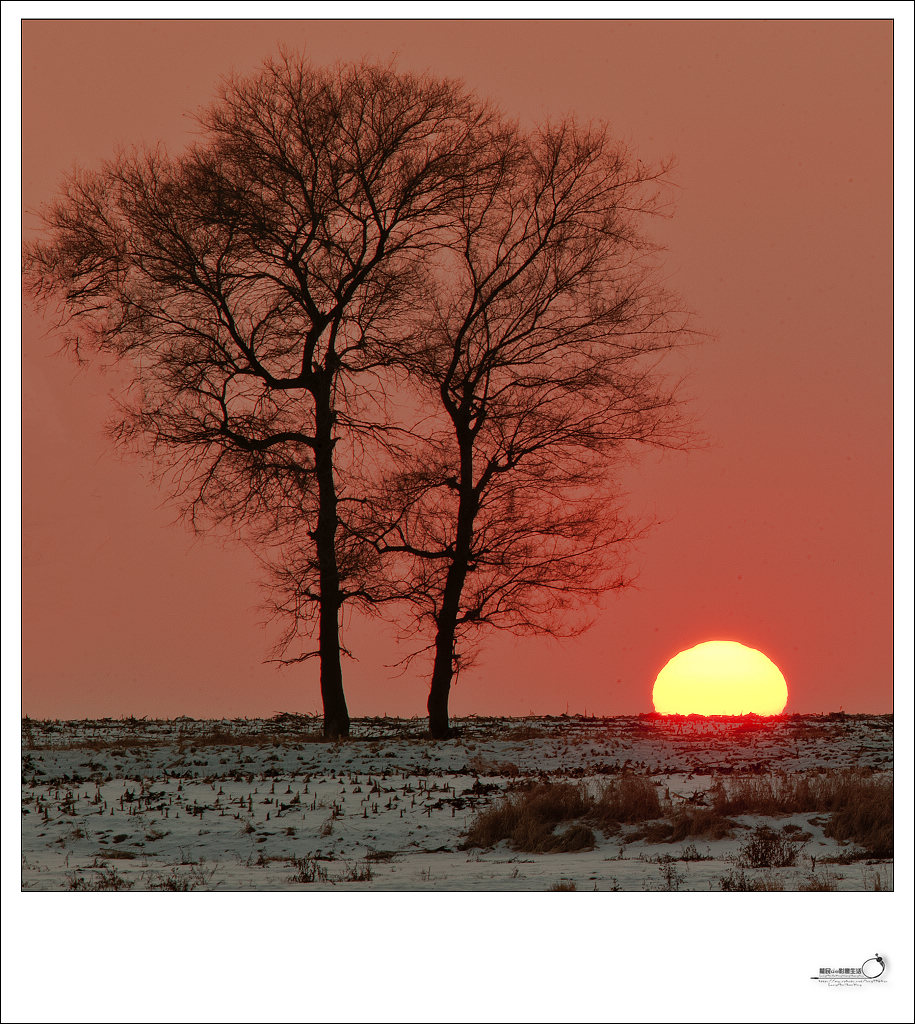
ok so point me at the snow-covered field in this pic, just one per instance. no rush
(267, 805)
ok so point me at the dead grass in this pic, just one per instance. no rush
(576, 837)
(176, 880)
(739, 881)
(358, 871)
(101, 879)
(860, 805)
(307, 870)
(528, 818)
(691, 853)
(633, 799)
(223, 738)
(686, 823)
(628, 799)
(877, 882)
(703, 822)
(824, 882)
(381, 855)
(864, 816)
(217, 738)
(100, 744)
(672, 877)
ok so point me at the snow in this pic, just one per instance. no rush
(267, 805)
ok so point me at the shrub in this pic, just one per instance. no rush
(767, 848)
(307, 870)
(673, 878)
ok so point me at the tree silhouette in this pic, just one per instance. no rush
(256, 286)
(394, 343)
(539, 364)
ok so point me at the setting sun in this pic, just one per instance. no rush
(720, 677)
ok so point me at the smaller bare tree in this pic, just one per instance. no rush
(539, 363)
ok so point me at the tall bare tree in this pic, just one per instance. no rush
(539, 361)
(256, 285)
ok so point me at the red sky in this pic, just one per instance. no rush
(779, 535)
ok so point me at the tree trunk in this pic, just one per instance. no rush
(336, 715)
(447, 619)
(443, 667)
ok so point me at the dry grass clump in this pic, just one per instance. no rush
(692, 822)
(628, 799)
(307, 870)
(102, 879)
(575, 838)
(861, 806)
(528, 818)
(824, 882)
(686, 823)
(176, 880)
(633, 799)
(864, 815)
(739, 881)
(767, 795)
(358, 871)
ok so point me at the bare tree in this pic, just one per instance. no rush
(256, 285)
(540, 364)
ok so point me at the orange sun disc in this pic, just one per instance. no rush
(720, 677)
